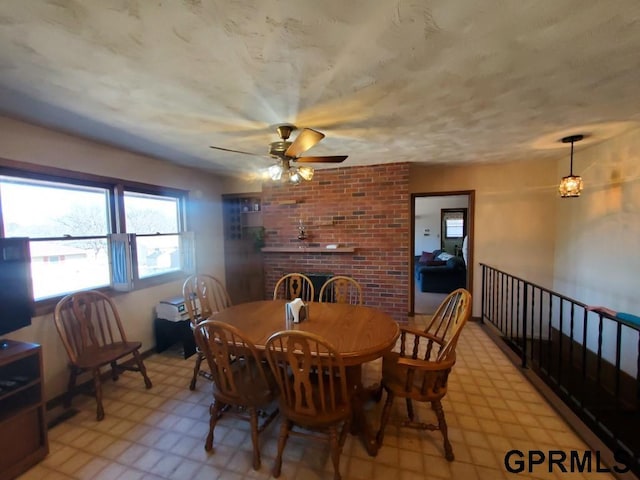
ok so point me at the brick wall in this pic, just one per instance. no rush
(362, 207)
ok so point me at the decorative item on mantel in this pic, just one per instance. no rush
(302, 232)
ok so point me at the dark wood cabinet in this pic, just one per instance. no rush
(243, 238)
(23, 431)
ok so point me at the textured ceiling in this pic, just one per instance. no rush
(386, 81)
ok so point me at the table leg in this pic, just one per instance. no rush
(360, 395)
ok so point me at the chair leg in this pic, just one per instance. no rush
(345, 430)
(254, 438)
(114, 371)
(196, 369)
(335, 451)
(410, 413)
(442, 425)
(73, 374)
(214, 414)
(143, 370)
(377, 393)
(386, 412)
(97, 383)
(282, 440)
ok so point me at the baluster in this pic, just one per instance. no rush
(539, 322)
(494, 316)
(560, 340)
(584, 358)
(550, 341)
(524, 326)
(484, 293)
(510, 306)
(638, 372)
(599, 360)
(504, 290)
(571, 327)
(618, 348)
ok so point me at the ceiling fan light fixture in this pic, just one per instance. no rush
(275, 171)
(571, 185)
(294, 176)
(306, 172)
(283, 172)
(284, 152)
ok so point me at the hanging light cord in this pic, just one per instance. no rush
(571, 164)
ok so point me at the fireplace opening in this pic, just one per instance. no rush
(318, 279)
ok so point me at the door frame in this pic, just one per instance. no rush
(471, 194)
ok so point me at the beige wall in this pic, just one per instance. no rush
(23, 142)
(515, 215)
(585, 248)
(597, 259)
(240, 185)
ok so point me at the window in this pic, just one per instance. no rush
(67, 226)
(454, 227)
(80, 237)
(155, 219)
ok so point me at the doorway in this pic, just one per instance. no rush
(440, 222)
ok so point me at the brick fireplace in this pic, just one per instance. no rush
(364, 208)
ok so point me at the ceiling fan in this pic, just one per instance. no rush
(287, 152)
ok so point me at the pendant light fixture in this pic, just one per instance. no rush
(571, 185)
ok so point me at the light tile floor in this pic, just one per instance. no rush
(159, 433)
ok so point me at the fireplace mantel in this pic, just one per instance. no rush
(299, 249)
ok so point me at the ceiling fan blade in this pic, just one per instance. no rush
(303, 142)
(238, 151)
(329, 159)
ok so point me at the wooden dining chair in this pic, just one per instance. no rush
(240, 379)
(443, 321)
(313, 391)
(294, 285)
(92, 334)
(204, 296)
(341, 289)
(420, 369)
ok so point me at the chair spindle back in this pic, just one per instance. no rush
(341, 289)
(310, 373)
(87, 321)
(294, 285)
(204, 296)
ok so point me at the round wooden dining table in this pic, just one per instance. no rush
(361, 334)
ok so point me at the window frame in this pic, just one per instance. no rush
(448, 228)
(155, 191)
(449, 214)
(117, 224)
